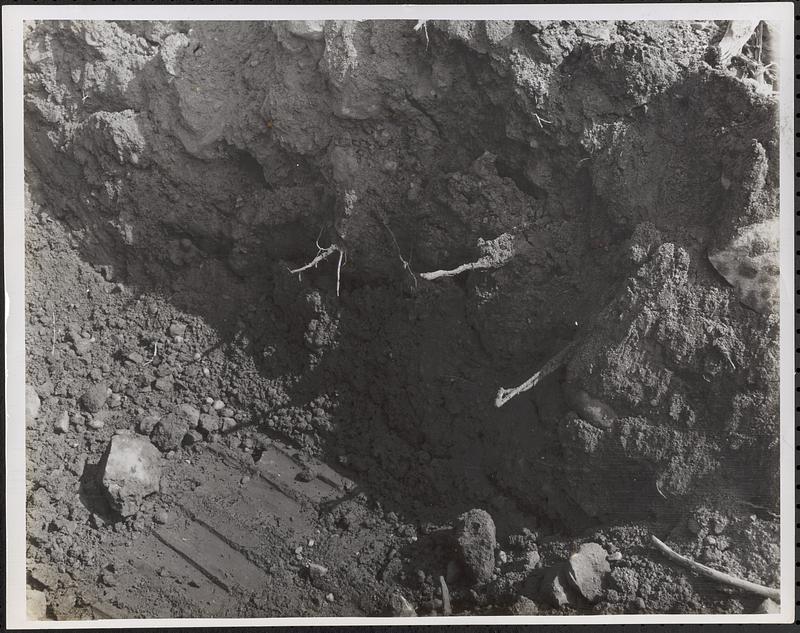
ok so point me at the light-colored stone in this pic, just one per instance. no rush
(587, 568)
(36, 604)
(400, 607)
(307, 29)
(131, 472)
(189, 413)
(768, 606)
(32, 405)
(61, 424)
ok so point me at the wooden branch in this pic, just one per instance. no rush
(455, 271)
(718, 576)
(504, 395)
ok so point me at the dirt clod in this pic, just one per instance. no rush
(475, 535)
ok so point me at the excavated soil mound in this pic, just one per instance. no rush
(176, 173)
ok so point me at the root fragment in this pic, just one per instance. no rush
(446, 608)
(718, 576)
(323, 254)
(494, 254)
(504, 395)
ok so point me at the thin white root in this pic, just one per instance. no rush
(718, 576)
(494, 254)
(455, 271)
(446, 608)
(541, 120)
(504, 395)
(323, 254)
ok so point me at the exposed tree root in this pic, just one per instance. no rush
(323, 254)
(718, 576)
(504, 395)
(494, 254)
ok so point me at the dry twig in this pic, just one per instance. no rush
(406, 264)
(155, 352)
(718, 576)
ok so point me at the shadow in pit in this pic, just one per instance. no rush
(92, 495)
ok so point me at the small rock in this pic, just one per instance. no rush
(554, 587)
(532, 560)
(768, 606)
(218, 405)
(189, 413)
(400, 607)
(168, 433)
(97, 422)
(147, 424)
(162, 517)
(177, 329)
(135, 357)
(131, 471)
(108, 579)
(616, 556)
(476, 538)
(206, 372)
(197, 356)
(588, 568)
(192, 437)
(32, 405)
(115, 401)
(330, 597)
(524, 606)
(316, 571)
(209, 423)
(62, 423)
(77, 420)
(36, 604)
(164, 383)
(306, 29)
(227, 412)
(95, 397)
(228, 424)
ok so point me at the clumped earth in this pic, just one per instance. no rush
(176, 172)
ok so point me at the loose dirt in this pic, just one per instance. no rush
(176, 172)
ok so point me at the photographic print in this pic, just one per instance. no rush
(339, 316)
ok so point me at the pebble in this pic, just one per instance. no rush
(209, 400)
(315, 570)
(330, 597)
(177, 329)
(197, 356)
(96, 423)
(62, 423)
(227, 412)
(77, 420)
(162, 517)
(135, 357)
(147, 424)
(768, 606)
(476, 538)
(614, 557)
(524, 606)
(218, 405)
(164, 383)
(400, 607)
(228, 424)
(115, 401)
(206, 372)
(209, 423)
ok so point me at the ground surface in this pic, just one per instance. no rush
(177, 171)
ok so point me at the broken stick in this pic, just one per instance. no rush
(718, 576)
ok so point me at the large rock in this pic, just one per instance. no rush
(131, 471)
(476, 537)
(587, 568)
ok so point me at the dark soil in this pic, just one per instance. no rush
(177, 171)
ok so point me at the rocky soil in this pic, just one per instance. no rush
(620, 194)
